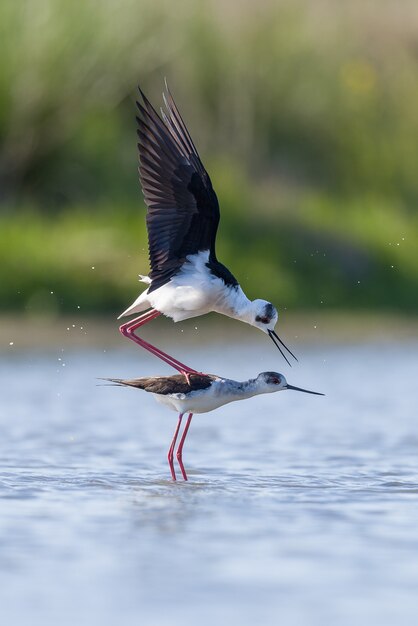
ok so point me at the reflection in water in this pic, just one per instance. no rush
(298, 510)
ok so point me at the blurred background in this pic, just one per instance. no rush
(299, 509)
(305, 115)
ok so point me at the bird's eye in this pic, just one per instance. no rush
(262, 319)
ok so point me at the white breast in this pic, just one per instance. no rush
(202, 401)
(193, 291)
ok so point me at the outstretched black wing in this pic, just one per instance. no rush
(183, 210)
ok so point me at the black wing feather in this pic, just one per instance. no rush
(183, 210)
(165, 385)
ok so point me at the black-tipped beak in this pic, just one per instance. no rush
(315, 393)
(277, 341)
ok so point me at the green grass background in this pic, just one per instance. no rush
(305, 115)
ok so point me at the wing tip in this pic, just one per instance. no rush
(141, 93)
(114, 381)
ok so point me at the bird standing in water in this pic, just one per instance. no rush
(186, 279)
(200, 394)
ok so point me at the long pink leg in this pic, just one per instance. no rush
(170, 454)
(180, 448)
(128, 330)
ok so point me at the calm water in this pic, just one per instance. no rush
(299, 510)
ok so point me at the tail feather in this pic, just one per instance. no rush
(139, 383)
(141, 304)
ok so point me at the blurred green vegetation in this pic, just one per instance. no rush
(305, 115)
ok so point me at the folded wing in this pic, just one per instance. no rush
(165, 385)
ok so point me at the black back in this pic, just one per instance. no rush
(165, 385)
(183, 210)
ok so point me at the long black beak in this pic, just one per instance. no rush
(315, 393)
(277, 341)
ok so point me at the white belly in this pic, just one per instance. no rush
(180, 302)
(193, 291)
(200, 401)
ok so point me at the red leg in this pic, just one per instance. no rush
(170, 454)
(180, 448)
(128, 330)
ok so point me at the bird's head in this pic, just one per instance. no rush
(264, 316)
(269, 382)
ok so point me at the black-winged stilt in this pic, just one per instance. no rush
(186, 278)
(203, 393)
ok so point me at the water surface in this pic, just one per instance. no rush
(299, 509)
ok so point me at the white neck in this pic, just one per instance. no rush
(246, 389)
(237, 306)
